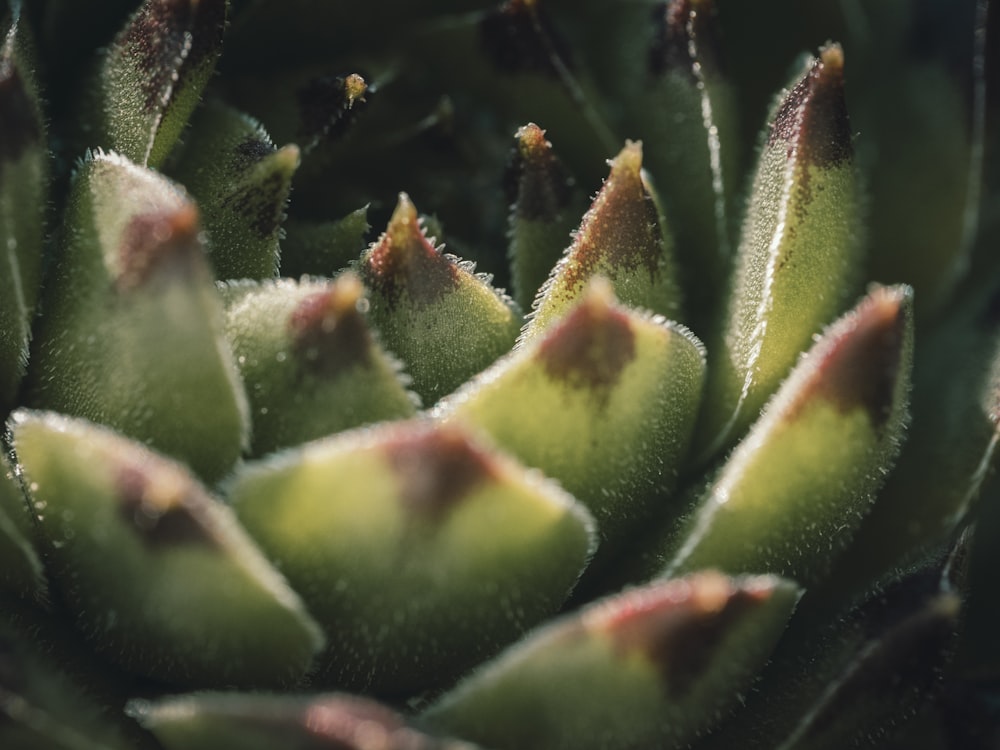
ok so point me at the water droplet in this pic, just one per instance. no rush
(281, 356)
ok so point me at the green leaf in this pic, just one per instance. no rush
(950, 454)
(544, 209)
(792, 493)
(154, 571)
(799, 256)
(853, 681)
(310, 361)
(241, 183)
(420, 550)
(651, 667)
(668, 76)
(604, 401)
(133, 335)
(624, 237)
(151, 77)
(444, 322)
(24, 176)
(323, 247)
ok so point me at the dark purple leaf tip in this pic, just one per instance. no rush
(536, 182)
(812, 120)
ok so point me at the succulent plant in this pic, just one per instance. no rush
(718, 472)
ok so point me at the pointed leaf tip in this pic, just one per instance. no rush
(679, 624)
(681, 26)
(593, 344)
(328, 329)
(403, 259)
(160, 508)
(860, 368)
(813, 118)
(438, 466)
(624, 208)
(153, 240)
(536, 182)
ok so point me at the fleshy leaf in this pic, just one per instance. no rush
(949, 456)
(24, 168)
(857, 678)
(668, 74)
(325, 247)
(155, 572)
(792, 493)
(624, 237)
(647, 668)
(604, 401)
(799, 256)
(310, 362)
(443, 321)
(241, 183)
(420, 550)
(208, 721)
(133, 335)
(151, 77)
(543, 211)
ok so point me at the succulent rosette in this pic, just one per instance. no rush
(286, 465)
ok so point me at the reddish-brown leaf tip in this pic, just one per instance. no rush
(622, 226)
(157, 241)
(859, 367)
(158, 508)
(403, 260)
(328, 330)
(680, 623)
(437, 467)
(593, 344)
